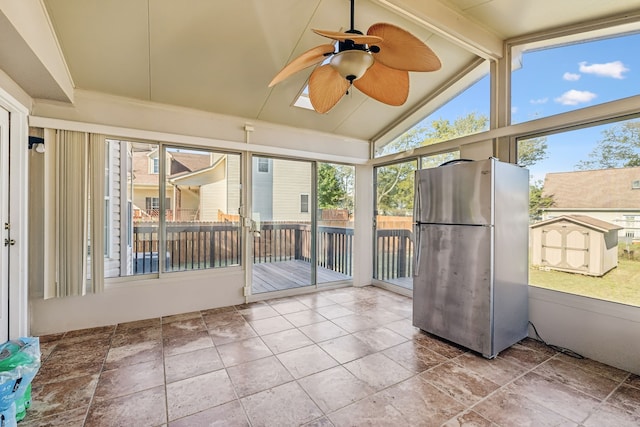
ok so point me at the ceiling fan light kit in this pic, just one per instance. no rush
(377, 63)
(351, 64)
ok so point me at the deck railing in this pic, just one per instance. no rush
(194, 246)
(394, 254)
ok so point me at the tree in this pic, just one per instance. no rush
(618, 148)
(394, 188)
(394, 183)
(444, 130)
(335, 186)
(537, 202)
(531, 151)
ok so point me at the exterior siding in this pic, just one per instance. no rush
(112, 261)
(233, 184)
(290, 180)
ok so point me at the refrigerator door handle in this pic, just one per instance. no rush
(416, 249)
(417, 205)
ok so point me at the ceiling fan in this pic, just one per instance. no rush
(377, 63)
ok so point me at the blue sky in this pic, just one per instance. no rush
(557, 80)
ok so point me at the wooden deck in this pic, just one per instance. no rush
(277, 276)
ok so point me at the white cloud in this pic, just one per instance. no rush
(572, 77)
(610, 69)
(539, 101)
(514, 110)
(575, 97)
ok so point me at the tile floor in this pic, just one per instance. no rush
(345, 357)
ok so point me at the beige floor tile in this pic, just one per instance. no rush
(346, 348)
(304, 317)
(335, 388)
(323, 331)
(129, 379)
(247, 350)
(285, 405)
(370, 411)
(574, 376)
(186, 365)
(378, 370)
(144, 408)
(462, 384)
(555, 396)
(227, 415)
(258, 375)
(218, 367)
(195, 394)
(306, 361)
(421, 403)
(286, 340)
(270, 325)
(514, 409)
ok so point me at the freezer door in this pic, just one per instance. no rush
(452, 293)
(454, 194)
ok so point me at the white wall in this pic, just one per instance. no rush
(363, 226)
(141, 299)
(113, 115)
(600, 330)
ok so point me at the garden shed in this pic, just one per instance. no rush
(575, 243)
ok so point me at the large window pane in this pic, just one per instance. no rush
(464, 114)
(436, 160)
(200, 209)
(201, 205)
(335, 222)
(393, 260)
(132, 235)
(585, 211)
(550, 80)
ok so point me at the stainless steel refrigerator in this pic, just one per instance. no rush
(471, 232)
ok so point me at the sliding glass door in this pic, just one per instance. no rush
(393, 259)
(334, 234)
(282, 217)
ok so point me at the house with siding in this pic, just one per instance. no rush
(611, 195)
(201, 185)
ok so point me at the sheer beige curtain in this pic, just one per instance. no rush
(79, 200)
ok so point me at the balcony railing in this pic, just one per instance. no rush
(210, 245)
(394, 254)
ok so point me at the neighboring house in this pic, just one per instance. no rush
(200, 185)
(611, 195)
(182, 192)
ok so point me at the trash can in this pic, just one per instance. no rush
(19, 363)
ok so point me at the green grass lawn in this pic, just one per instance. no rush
(622, 284)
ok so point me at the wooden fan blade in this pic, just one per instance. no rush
(326, 87)
(385, 84)
(357, 38)
(307, 59)
(402, 50)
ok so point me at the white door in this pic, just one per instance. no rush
(5, 240)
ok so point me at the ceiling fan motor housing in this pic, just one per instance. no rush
(352, 59)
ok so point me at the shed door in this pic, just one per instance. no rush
(565, 247)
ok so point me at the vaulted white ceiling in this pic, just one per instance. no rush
(219, 56)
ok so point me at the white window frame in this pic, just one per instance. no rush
(303, 203)
(108, 203)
